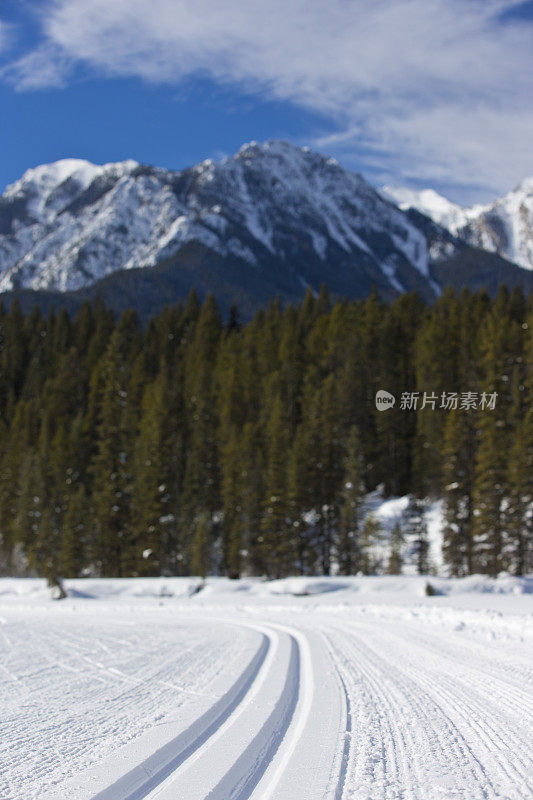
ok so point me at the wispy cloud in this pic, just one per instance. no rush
(6, 36)
(43, 68)
(440, 89)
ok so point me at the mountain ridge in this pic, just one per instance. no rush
(272, 220)
(504, 226)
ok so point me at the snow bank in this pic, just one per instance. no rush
(351, 587)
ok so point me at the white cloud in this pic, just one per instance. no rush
(439, 88)
(45, 67)
(5, 36)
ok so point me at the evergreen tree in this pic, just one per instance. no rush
(437, 373)
(371, 538)
(490, 485)
(275, 542)
(74, 553)
(416, 531)
(119, 446)
(111, 466)
(252, 492)
(350, 512)
(395, 564)
(149, 493)
(200, 548)
(458, 478)
(201, 483)
(518, 512)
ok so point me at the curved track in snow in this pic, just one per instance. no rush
(274, 702)
(239, 748)
(413, 712)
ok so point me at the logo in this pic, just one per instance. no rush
(384, 400)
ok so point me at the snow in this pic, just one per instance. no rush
(389, 511)
(72, 222)
(504, 226)
(297, 689)
(389, 268)
(429, 202)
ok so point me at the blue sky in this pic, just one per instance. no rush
(411, 92)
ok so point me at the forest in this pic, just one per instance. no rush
(196, 445)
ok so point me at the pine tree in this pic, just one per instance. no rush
(518, 511)
(395, 564)
(490, 485)
(396, 427)
(201, 483)
(200, 546)
(149, 493)
(276, 545)
(74, 555)
(458, 479)
(371, 537)
(350, 512)
(437, 356)
(112, 462)
(301, 500)
(231, 490)
(252, 459)
(416, 532)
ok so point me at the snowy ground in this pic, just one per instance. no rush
(295, 690)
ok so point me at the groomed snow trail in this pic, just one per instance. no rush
(279, 698)
(427, 713)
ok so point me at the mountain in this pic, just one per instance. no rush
(504, 226)
(272, 220)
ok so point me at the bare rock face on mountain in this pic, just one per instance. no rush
(272, 220)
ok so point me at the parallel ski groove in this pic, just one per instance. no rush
(176, 752)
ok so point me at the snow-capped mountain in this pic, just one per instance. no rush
(504, 226)
(68, 224)
(272, 220)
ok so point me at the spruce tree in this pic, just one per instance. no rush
(275, 542)
(201, 483)
(518, 511)
(490, 484)
(371, 539)
(201, 546)
(149, 492)
(112, 463)
(350, 512)
(395, 564)
(74, 554)
(458, 483)
(416, 532)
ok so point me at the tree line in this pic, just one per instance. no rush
(197, 446)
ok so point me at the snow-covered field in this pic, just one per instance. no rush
(292, 690)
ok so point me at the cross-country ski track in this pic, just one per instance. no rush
(243, 697)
